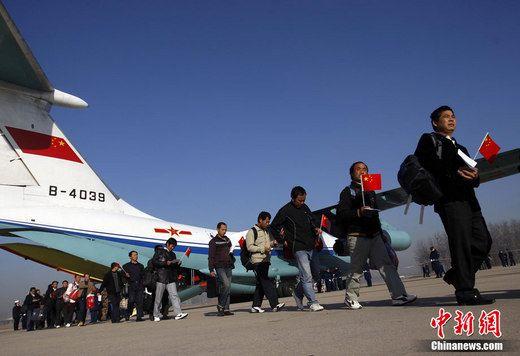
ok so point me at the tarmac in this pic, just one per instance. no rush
(377, 329)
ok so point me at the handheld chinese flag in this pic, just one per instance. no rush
(188, 252)
(370, 182)
(242, 242)
(325, 222)
(489, 149)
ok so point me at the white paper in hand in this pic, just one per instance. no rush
(470, 162)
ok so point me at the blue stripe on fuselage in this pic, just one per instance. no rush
(199, 248)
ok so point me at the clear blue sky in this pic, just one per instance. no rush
(203, 111)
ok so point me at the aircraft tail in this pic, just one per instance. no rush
(38, 164)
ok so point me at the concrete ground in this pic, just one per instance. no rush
(377, 329)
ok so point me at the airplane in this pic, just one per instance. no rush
(55, 210)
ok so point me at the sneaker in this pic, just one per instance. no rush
(181, 316)
(353, 304)
(278, 307)
(228, 313)
(299, 302)
(257, 310)
(316, 307)
(139, 319)
(404, 299)
(156, 319)
(57, 326)
(67, 325)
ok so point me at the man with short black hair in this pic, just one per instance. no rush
(134, 272)
(221, 266)
(114, 285)
(166, 263)
(60, 304)
(32, 302)
(50, 304)
(260, 242)
(468, 236)
(300, 233)
(358, 220)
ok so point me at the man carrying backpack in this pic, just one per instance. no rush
(300, 233)
(259, 243)
(468, 237)
(358, 219)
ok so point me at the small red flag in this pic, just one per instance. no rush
(371, 182)
(325, 222)
(489, 149)
(242, 242)
(36, 143)
(188, 252)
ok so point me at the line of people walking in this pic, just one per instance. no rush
(294, 227)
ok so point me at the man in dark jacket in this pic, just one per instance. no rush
(60, 303)
(300, 233)
(166, 264)
(511, 257)
(32, 302)
(358, 218)
(50, 304)
(468, 237)
(434, 259)
(134, 272)
(114, 285)
(221, 266)
(17, 314)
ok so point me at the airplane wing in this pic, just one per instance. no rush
(17, 63)
(506, 164)
(56, 259)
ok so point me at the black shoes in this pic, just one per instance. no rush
(472, 297)
(139, 319)
(450, 277)
(224, 313)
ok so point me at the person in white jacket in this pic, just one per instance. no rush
(70, 297)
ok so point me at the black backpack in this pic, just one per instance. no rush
(417, 181)
(245, 255)
(149, 277)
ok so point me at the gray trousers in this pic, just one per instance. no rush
(373, 248)
(172, 294)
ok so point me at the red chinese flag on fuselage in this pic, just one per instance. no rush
(36, 143)
(371, 182)
(489, 149)
(325, 222)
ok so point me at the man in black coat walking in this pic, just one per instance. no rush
(114, 285)
(134, 272)
(32, 302)
(468, 237)
(50, 304)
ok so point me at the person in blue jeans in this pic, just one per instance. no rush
(295, 225)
